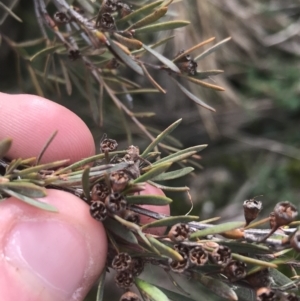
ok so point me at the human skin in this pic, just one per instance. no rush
(43, 255)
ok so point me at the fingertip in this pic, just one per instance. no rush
(31, 120)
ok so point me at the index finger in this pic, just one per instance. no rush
(31, 120)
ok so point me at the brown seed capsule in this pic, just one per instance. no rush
(221, 255)
(108, 145)
(137, 266)
(131, 216)
(106, 21)
(285, 213)
(295, 241)
(198, 256)
(124, 8)
(115, 202)
(130, 296)
(272, 220)
(118, 180)
(182, 249)
(112, 64)
(98, 211)
(121, 262)
(292, 297)
(235, 270)
(265, 294)
(189, 66)
(61, 18)
(133, 153)
(109, 6)
(124, 279)
(74, 54)
(99, 192)
(179, 266)
(259, 279)
(179, 232)
(252, 208)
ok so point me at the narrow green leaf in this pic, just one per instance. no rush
(254, 261)
(5, 145)
(279, 278)
(156, 15)
(100, 289)
(137, 91)
(86, 183)
(207, 73)
(144, 114)
(41, 167)
(120, 231)
(160, 137)
(175, 156)
(242, 247)
(218, 287)
(192, 96)
(45, 51)
(161, 26)
(245, 294)
(202, 83)
(34, 80)
(152, 80)
(44, 148)
(211, 49)
(153, 172)
(145, 9)
(174, 174)
(170, 221)
(217, 229)
(25, 188)
(30, 43)
(10, 12)
(149, 291)
(175, 296)
(125, 58)
(31, 201)
(188, 51)
(157, 200)
(164, 249)
(14, 164)
(65, 73)
(163, 59)
(129, 43)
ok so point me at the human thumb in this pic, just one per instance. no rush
(46, 256)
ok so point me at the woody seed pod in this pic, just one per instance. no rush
(106, 21)
(112, 64)
(179, 232)
(121, 262)
(108, 145)
(295, 241)
(285, 213)
(98, 211)
(182, 249)
(130, 296)
(259, 279)
(61, 18)
(265, 294)
(198, 256)
(221, 255)
(124, 8)
(252, 208)
(74, 54)
(115, 202)
(131, 216)
(109, 6)
(179, 266)
(99, 192)
(189, 67)
(292, 297)
(235, 270)
(124, 279)
(137, 266)
(119, 180)
(272, 220)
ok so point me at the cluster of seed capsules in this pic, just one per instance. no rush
(106, 195)
(107, 199)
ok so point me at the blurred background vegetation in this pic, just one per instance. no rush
(254, 136)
